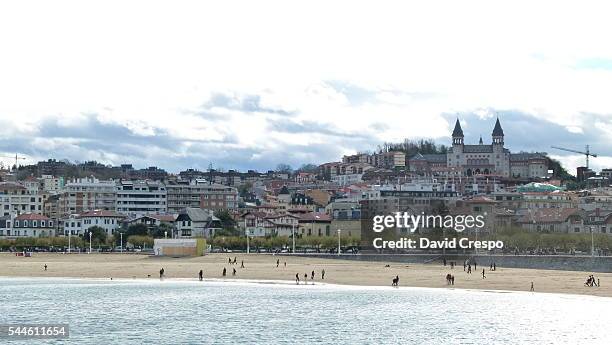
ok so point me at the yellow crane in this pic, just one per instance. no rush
(586, 153)
(17, 158)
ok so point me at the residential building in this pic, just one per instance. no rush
(200, 194)
(79, 224)
(16, 199)
(33, 225)
(196, 222)
(138, 198)
(88, 194)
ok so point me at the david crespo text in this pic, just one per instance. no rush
(425, 243)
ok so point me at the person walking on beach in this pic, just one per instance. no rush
(224, 271)
(483, 274)
(531, 287)
(323, 274)
(234, 271)
(235, 262)
(201, 275)
(277, 262)
(285, 263)
(229, 261)
(297, 279)
(452, 280)
(45, 267)
(494, 267)
(491, 267)
(475, 268)
(161, 273)
(469, 271)
(305, 278)
(242, 264)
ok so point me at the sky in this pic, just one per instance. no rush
(251, 84)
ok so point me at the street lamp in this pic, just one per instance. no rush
(247, 232)
(339, 230)
(69, 232)
(90, 242)
(293, 236)
(592, 242)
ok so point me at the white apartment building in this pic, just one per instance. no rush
(16, 199)
(140, 198)
(88, 194)
(78, 224)
(51, 184)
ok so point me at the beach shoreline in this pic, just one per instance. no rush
(262, 267)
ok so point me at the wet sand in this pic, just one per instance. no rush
(263, 267)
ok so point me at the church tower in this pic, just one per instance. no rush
(498, 134)
(457, 134)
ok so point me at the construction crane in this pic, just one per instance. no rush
(586, 153)
(17, 158)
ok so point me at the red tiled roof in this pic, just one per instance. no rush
(315, 216)
(31, 216)
(549, 215)
(164, 217)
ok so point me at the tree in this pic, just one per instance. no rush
(137, 229)
(98, 235)
(308, 168)
(284, 168)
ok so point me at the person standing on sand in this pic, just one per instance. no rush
(235, 262)
(45, 267)
(234, 272)
(297, 279)
(161, 273)
(483, 274)
(494, 267)
(475, 268)
(323, 274)
(285, 263)
(531, 287)
(305, 278)
(224, 271)
(469, 271)
(277, 262)
(201, 275)
(452, 280)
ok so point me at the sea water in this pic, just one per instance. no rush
(231, 312)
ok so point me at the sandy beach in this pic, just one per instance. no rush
(263, 267)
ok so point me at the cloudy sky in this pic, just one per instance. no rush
(252, 84)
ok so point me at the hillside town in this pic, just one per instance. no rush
(519, 190)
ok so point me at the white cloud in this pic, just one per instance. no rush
(151, 65)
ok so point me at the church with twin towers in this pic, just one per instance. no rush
(493, 158)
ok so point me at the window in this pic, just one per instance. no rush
(34, 223)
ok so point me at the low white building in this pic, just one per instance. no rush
(78, 224)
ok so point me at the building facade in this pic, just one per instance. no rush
(139, 198)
